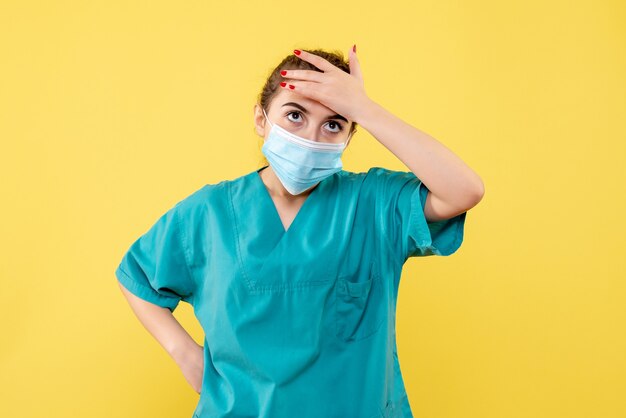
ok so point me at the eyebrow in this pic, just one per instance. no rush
(336, 116)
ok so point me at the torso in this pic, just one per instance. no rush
(287, 311)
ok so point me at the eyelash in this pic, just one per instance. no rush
(339, 125)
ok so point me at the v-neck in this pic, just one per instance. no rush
(272, 257)
(268, 199)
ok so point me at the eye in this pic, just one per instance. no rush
(297, 113)
(338, 125)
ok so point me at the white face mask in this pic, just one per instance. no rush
(300, 163)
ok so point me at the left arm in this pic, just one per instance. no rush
(454, 187)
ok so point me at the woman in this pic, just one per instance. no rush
(293, 269)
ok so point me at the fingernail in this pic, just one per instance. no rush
(291, 86)
(283, 72)
(296, 51)
(283, 84)
(354, 48)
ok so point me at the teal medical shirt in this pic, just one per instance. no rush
(298, 322)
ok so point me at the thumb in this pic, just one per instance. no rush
(355, 67)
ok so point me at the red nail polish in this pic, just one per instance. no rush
(291, 86)
(283, 84)
(296, 51)
(283, 72)
(354, 48)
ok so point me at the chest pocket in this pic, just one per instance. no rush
(360, 307)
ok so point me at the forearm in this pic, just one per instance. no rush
(162, 325)
(443, 172)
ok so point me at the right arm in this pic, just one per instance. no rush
(154, 276)
(163, 326)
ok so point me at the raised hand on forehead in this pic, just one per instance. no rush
(334, 88)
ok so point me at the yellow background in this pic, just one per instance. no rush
(110, 112)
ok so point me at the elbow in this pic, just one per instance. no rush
(478, 191)
(475, 196)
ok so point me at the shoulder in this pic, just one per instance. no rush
(379, 176)
(200, 199)
(210, 197)
(382, 173)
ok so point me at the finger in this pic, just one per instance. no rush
(305, 88)
(316, 60)
(355, 67)
(309, 75)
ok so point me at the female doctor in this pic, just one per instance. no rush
(293, 269)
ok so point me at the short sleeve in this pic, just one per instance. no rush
(400, 201)
(155, 266)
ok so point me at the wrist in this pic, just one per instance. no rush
(367, 112)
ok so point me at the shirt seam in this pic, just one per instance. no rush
(182, 238)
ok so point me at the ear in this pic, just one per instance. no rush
(259, 120)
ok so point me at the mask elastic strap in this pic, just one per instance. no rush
(348, 140)
(268, 119)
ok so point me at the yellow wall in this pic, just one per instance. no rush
(110, 112)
